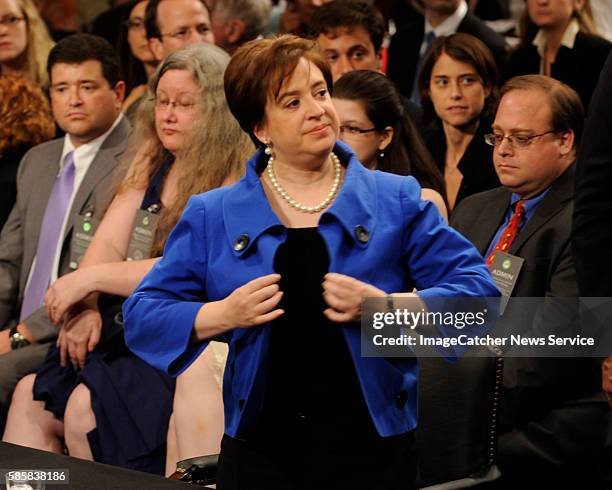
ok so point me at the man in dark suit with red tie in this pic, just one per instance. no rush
(552, 410)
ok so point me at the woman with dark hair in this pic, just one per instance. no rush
(277, 265)
(558, 40)
(458, 85)
(375, 124)
(137, 60)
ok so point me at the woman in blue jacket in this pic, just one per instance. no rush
(277, 266)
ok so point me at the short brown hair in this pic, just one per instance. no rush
(25, 114)
(566, 109)
(270, 61)
(464, 48)
(349, 14)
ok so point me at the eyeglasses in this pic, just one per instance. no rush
(135, 23)
(515, 141)
(10, 20)
(353, 131)
(184, 32)
(162, 104)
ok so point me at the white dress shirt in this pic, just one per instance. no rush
(446, 28)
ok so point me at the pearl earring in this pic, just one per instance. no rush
(381, 154)
(268, 150)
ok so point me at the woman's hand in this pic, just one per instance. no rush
(344, 295)
(66, 292)
(79, 335)
(253, 304)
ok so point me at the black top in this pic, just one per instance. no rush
(9, 163)
(311, 375)
(153, 193)
(578, 67)
(476, 164)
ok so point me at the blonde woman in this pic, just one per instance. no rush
(25, 42)
(557, 40)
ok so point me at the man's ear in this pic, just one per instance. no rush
(235, 30)
(379, 61)
(566, 138)
(120, 91)
(156, 47)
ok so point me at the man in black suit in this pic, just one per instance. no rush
(553, 414)
(441, 18)
(592, 225)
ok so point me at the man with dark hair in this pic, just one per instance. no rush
(62, 190)
(174, 24)
(553, 412)
(235, 22)
(350, 33)
(440, 18)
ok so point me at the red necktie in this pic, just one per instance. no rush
(510, 232)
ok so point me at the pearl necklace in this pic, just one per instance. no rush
(301, 207)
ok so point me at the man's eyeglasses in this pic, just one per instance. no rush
(10, 20)
(184, 32)
(353, 131)
(514, 140)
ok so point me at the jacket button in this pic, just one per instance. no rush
(241, 242)
(401, 399)
(362, 234)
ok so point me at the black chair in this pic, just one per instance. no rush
(458, 419)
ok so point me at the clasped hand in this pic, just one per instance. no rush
(256, 302)
(78, 336)
(64, 293)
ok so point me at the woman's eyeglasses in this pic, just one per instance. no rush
(353, 131)
(10, 20)
(135, 23)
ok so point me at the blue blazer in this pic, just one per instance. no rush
(377, 230)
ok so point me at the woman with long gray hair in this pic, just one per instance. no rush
(98, 397)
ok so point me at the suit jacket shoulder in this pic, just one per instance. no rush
(494, 41)
(592, 223)
(478, 216)
(471, 24)
(404, 54)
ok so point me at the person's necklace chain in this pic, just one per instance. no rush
(292, 202)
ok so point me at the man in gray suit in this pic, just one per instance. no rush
(62, 189)
(553, 413)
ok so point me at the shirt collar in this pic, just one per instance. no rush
(568, 40)
(247, 212)
(530, 204)
(89, 149)
(451, 24)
